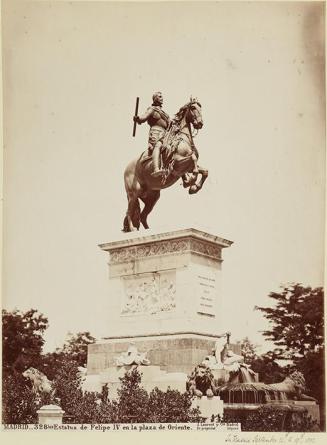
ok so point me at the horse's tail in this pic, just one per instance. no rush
(136, 218)
(136, 215)
(125, 225)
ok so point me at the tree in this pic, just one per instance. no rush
(268, 369)
(248, 350)
(312, 367)
(73, 350)
(76, 346)
(297, 329)
(22, 339)
(297, 320)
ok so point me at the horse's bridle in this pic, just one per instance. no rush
(190, 135)
(195, 117)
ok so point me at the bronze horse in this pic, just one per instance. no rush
(179, 158)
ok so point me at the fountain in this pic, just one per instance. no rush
(239, 388)
(258, 393)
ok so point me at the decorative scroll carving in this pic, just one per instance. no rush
(150, 293)
(205, 248)
(125, 254)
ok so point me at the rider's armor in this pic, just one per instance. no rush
(158, 121)
(158, 118)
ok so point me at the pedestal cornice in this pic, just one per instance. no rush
(187, 240)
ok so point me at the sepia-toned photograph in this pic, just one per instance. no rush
(163, 217)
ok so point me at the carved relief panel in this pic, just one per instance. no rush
(149, 293)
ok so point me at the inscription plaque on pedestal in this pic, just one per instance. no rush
(207, 295)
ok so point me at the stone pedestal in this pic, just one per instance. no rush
(50, 415)
(165, 284)
(165, 297)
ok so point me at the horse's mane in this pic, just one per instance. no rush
(180, 113)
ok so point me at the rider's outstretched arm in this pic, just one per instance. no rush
(144, 117)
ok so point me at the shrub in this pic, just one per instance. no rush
(19, 403)
(170, 406)
(270, 419)
(133, 401)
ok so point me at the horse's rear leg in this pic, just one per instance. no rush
(149, 200)
(132, 187)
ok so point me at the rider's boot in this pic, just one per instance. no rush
(157, 172)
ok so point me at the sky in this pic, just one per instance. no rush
(71, 74)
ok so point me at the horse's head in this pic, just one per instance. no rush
(191, 112)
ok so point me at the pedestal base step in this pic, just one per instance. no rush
(152, 377)
(172, 353)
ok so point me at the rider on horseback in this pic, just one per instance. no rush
(174, 141)
(158, 121)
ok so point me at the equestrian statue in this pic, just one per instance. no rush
(171, 154)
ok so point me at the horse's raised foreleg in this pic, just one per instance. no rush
(189, 179)
(198, 186)
(195, 167)
(149, 200)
